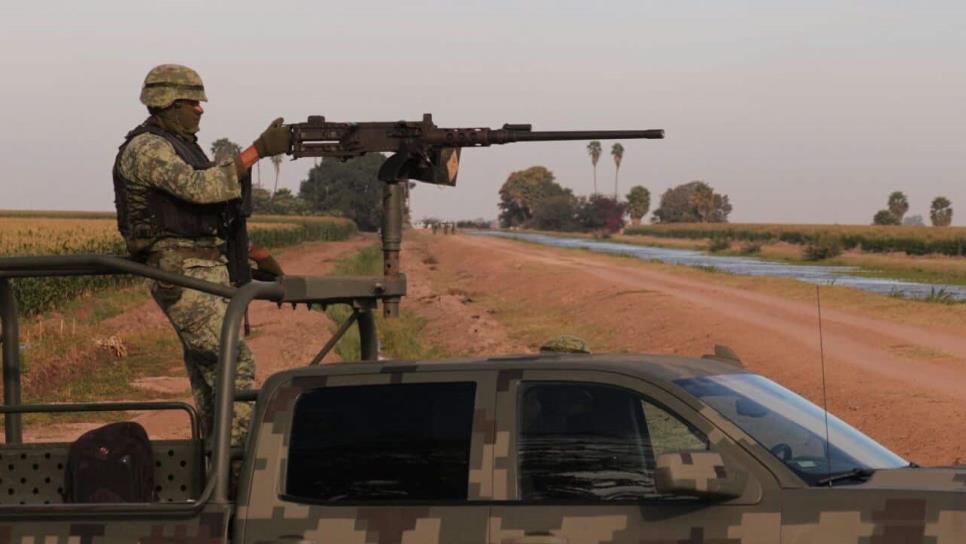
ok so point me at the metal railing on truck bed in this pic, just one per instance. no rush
(362, 293)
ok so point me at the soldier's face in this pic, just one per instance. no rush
(188, 114)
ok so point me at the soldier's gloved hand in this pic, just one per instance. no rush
(275, 140)
(268, 268)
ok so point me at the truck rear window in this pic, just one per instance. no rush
(405, 442)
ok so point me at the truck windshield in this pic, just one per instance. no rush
(792, 428)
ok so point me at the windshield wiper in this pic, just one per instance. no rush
(853, 474)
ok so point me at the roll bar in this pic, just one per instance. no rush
(361, 292)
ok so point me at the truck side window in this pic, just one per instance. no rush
(404, 442)
(584, 441)
(668, 433)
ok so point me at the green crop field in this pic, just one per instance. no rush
(62, 233)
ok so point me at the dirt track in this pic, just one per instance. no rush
(901, 384)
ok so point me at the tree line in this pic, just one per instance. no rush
(940, 212)
(349, 189)
(532, 198)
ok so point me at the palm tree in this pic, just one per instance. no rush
(941, 212)
(617, 150)
(898, 205)
(277, 163)
(594, 150)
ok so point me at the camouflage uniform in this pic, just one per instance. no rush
(565, 344)
(149, 163)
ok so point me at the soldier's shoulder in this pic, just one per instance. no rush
(148, 143)
(141, 152)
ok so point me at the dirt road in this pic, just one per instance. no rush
(902, 384)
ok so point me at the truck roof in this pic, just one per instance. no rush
(654, 368)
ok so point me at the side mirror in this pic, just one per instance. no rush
(698, 474)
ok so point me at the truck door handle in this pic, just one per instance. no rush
(540, 538)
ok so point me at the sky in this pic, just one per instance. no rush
(802, 112)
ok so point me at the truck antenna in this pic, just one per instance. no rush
(821, 351)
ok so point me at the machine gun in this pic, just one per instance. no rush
(419, 151)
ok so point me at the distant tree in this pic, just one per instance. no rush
(885, 217)
(599, 212)
(283, 203)
(914, 221)
(261, 200)
(694, 202)
(594, 150)
(286, 203)
(522, 191)
(617, 150)
(223, 148)
(277, 165)
(556, 213)
(479, 223)
(941, 212)
(898, 205)
(350, 189)
(702, 203)
(638, 203)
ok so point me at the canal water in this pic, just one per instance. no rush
(749, 266)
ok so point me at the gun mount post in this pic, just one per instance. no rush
(368, 339)
(392, 203)
(10, 336)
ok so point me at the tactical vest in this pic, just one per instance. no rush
(147, 214)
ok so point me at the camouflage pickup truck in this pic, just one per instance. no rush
(539, 449)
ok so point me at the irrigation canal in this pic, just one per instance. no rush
(816, 274)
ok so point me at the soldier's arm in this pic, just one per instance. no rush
(153, 161)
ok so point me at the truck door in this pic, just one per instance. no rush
(385, 457)
(581, 466)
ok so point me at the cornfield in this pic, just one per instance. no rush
(873, 238)
(64, 233)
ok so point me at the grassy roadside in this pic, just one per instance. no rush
(79, 355)
(398, 338)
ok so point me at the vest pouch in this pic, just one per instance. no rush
(184, 219)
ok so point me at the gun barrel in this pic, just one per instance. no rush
(544, 136)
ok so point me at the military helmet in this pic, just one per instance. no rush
(169, 82)
(565, 344)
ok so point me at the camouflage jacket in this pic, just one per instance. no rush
(148, 163)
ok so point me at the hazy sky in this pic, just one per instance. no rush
(806, 111)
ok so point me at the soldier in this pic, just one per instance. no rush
(170, 203)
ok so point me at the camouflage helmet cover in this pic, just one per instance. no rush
(565, 344)
(169, 82)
